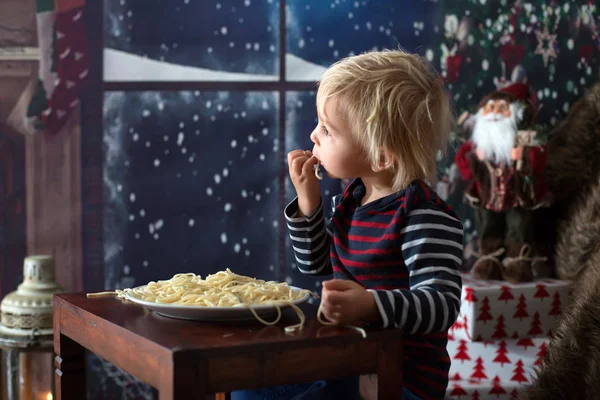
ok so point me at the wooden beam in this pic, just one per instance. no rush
(92, 152)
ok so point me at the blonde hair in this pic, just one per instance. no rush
(394, 101)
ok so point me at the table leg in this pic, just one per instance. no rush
(183, 382)
(389, 370)
(70, 369)
(10, 366)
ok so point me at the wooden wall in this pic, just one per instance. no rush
(53, 181)
(52, 165)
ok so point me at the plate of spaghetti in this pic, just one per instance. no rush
(223, 296)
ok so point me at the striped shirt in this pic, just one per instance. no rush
(405, 249)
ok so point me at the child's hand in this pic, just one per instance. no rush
(346, 302)
(301, 164)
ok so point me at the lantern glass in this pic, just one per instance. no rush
(27, 366)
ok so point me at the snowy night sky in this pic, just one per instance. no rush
(234, 36)
(191, 182)
(242, 36)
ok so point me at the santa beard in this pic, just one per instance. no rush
(495, 134)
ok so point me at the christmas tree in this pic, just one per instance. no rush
(499, 333)
(519, 373)
(541, 354)
(478, 370)
(505, 294)
(525, 343)
(514, 395)
(458, 391)
(541, 292)
(497, 388)
(485, 315)
(455, 377)
(521, 308)
(484, 45)
(535, 326)
(555, 310)
(501, 354)
(469, 296)
(462, 354)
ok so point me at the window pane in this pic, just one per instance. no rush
(300, 121)
(191, 184)
(321, 32)
(160, 40)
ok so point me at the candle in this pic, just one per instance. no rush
(49, 396)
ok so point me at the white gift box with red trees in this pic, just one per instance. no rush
(495, 310)
(493, 369)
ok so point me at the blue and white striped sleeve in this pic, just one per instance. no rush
(310, 240)
(432, 248)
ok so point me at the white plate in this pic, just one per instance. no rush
(195, 313)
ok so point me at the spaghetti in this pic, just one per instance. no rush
(317, 172)
(222, 289)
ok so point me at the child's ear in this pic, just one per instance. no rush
(386, 161)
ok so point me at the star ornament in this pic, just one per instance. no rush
(546, 45)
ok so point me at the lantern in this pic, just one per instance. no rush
(26, 336)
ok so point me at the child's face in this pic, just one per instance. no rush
(335, 146)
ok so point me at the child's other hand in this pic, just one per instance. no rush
(301, 164)
(346, 302)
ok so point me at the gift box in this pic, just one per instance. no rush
(510, 360)
(482, 390)
(493, 310)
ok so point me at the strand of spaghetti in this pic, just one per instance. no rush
(329, 323)
(299, 326)
(101, 294)
(266, 322)
(321, 320)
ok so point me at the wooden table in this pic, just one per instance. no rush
(188, 359)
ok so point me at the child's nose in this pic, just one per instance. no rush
(313, 137)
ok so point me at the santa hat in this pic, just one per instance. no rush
(514, 92)
(519, 90)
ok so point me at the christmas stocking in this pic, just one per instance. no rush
(63, 63)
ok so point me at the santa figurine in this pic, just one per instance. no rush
(504, 169)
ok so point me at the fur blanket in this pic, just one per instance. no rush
(572, 166)
(572, 364)
(574, 149)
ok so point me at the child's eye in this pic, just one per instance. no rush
(325, 131)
